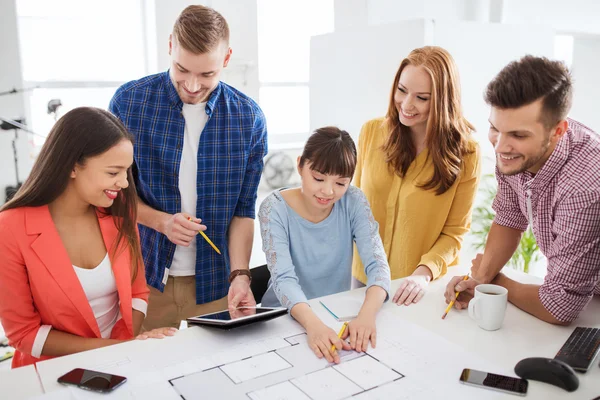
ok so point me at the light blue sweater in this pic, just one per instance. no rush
(309, 260)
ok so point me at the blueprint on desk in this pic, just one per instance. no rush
(289, 371)
(403, 365)
(409, 362)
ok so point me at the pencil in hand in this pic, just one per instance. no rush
(452, 302)
(207, 239)
(340, 334)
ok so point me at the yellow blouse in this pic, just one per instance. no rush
(417, 226)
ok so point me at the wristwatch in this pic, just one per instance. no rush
(237, 272)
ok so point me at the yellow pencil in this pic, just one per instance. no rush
(207, 239)
(7, 355)
(340, 335)
(455, 297)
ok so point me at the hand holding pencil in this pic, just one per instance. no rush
(340, 334)
(459, 285)
(323, 340)
(453, 300)
(179, 228)
(207, 239)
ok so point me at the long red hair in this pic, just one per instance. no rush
(448, 131)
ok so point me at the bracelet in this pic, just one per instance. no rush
(237, 272)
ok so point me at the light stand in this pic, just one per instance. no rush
(8, 124)
(15, 90)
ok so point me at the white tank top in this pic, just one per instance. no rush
(100, 288)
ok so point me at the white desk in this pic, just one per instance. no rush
(521, 336)
(20, 383)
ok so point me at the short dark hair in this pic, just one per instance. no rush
(331, 151)
(524, 81)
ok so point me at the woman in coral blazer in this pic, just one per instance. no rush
(71, 275)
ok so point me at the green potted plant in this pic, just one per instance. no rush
(527, 252)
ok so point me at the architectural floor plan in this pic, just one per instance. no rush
(408, 362)
(287, 370)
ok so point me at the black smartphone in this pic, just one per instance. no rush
(92, 380)
(488, 380)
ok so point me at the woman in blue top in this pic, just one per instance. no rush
(308, 235)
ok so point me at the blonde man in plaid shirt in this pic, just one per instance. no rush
(548, 172)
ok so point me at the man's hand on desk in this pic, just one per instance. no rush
(466, 288)
(158, 333)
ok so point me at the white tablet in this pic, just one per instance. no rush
(241, 316)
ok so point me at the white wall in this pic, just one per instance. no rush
(569, 16)
(350, 14)
(242, 71)
(12, 106)
(586, 64)
(351, 84)
(387, 11)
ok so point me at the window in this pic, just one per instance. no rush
(284, 31)
(79, 52)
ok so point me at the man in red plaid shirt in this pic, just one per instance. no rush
(548, 172)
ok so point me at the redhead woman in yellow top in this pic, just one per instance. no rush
(419, 168)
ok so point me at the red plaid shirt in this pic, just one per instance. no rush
(562, 201)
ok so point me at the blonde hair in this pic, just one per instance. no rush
(200, 29)
(447, 131)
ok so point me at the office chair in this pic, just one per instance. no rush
(260, 281)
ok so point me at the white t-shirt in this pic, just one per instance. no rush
(184, 259)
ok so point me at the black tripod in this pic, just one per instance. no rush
(7, 124)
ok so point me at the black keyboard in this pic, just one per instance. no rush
(581, 348)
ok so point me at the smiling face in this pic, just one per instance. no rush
(413, 97)
(320, 191)
(520, 139)
(195, 76)
(101, 178)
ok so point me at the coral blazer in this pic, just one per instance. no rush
(39, 286)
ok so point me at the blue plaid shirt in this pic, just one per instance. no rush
(230, 162)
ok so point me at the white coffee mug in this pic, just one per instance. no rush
(489, 306)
